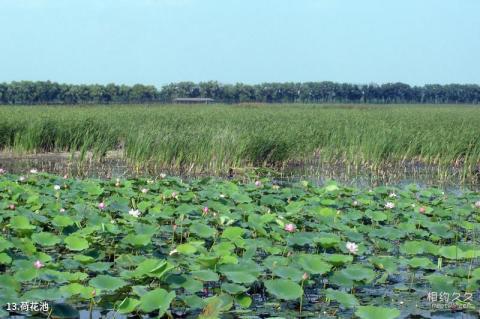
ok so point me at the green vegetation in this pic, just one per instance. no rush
(210, 247)
(215, 138)
(28, 92)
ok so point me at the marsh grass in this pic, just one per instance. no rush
(217, 137)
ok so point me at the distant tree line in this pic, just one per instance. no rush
(27, 92)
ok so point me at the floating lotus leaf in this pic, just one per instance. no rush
(313, 264)
(21, 223)
(157, 299)
(345, 299)
(76, 243)
(242, 273)
(62, 221)
(128, 305)
(359, 273)
(106, 282)
(46, 239)
(284, 289)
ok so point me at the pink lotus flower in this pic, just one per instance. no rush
(422, 210)
(352, 247)
(258, 183)
(174, 227)
(38, 264)
(290, 228)
(65, 176)
(101, 205)
(205, 210)
(477, 204)
(389, 205)
(11, 207)
(2, 171)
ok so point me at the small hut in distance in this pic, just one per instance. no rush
(193, 100)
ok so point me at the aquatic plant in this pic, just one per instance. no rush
(275, 250)
(217, 138)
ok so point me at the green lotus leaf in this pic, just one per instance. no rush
(241, 273)
(451, 252)
(205, 275)
(93, 189)
(99, 266)
(288, 273)
(337, 259)
(358, 273)
(158, 299)
(243, 300)
(327, 240)
(5, 244)
(202, 230)
(442, 283)
(313, 264)
(5, 259)
(26, 274)
(215, 306)
(46, 239)
(128, 305)
(421, 262)
(49, 294)
(233, 233)
(284, 289)
(75, 289)
(137, 240)
(186, 249)
(240, 198)
(387, 263)
(21, 223)
(193, 302)
(76, 243)
(62, 221)
(107, 283)
(233, 289)
(345, 299)
(376, 216)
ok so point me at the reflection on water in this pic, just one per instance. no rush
(114, 166)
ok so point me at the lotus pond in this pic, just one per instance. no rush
(216, 248)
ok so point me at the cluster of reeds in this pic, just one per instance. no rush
(223, 136)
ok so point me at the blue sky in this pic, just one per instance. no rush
(251, 41)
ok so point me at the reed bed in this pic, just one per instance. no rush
(213, 137)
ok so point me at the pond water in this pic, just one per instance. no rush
(114, 166)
